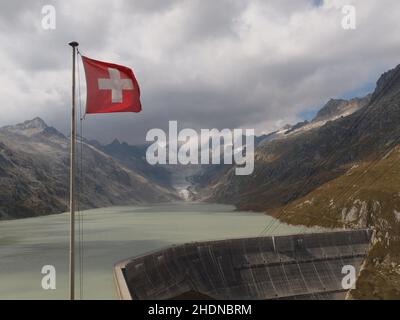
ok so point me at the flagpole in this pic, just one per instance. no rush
(74, 46)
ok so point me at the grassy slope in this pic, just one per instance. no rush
(367, 195)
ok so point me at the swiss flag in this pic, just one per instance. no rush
(110, 88)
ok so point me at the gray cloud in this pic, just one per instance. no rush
(228, 63)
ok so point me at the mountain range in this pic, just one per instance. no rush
(339, 170)
(34, 171)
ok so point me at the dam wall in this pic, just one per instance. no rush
(304, 266)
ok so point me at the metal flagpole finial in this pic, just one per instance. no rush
(73, 44)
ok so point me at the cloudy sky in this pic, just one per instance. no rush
(205, 63)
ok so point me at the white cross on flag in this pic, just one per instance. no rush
(110, 88)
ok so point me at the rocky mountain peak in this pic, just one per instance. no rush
(115, 142)
(386, 80)
(332, 108)
(37, 123)
(35, 127)
(28, 127)
(336, 108)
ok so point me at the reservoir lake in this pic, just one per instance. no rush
(111, 235)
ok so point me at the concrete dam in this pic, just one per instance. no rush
(303, 266)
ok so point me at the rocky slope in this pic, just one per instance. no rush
(367, 195)
(134, 157)
(336, 108)
(289, 159)
(341, 172)
(34, 178)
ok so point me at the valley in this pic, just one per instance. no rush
(339, 170)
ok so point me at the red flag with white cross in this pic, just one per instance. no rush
(110, 88)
